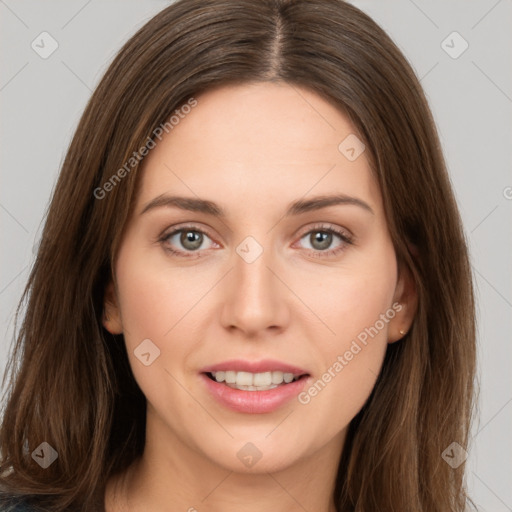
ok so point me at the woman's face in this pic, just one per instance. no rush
(302, 287)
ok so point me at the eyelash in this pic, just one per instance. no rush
(319, 228)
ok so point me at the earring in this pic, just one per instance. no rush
(402, 332)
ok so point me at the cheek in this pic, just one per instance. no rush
(350, 298)
(154, 296)
(343, 304)
(159, 303)
(355, 305)
(155, 306)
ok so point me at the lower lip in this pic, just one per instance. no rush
(254, 402)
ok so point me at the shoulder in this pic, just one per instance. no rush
(17, 506)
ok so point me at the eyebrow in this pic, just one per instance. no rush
(194, 204)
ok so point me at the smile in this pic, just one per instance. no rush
(254, 387)
(247, 381)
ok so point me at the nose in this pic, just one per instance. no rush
(255, 297)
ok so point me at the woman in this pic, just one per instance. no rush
(253, 286)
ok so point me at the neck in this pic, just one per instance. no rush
(172, 475)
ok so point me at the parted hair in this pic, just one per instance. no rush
(68, 381)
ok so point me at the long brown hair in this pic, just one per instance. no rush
(70, 381)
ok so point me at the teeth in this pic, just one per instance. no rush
(277, 377)
(244, 379)
(262, 379)
(253, 381)
(230, 377)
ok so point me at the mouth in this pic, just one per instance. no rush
(247, 381)
(254, 387)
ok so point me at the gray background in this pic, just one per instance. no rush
(470, 96)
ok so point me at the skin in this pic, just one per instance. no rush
(253, 149)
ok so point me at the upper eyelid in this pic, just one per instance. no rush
(189, 227)
(326, 226)
(318, 226)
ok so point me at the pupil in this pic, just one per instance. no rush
(191, 239)
(323, 238)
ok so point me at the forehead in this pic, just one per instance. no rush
(256, 141)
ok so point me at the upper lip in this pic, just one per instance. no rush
(265, 365)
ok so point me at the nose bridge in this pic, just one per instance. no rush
(251, 267)
(255, 300)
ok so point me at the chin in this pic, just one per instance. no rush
(256, 454)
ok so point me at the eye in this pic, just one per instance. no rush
(321, 239)
(188, 239)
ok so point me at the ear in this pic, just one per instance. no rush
(111, 319)
(406, 296)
